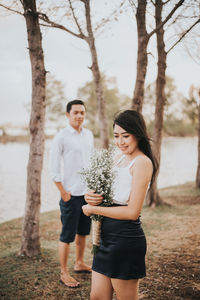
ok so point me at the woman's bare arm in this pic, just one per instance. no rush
(141, 172)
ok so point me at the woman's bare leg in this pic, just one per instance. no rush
(101, 287)
(126, 289)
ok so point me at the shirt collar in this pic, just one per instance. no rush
(72, 130)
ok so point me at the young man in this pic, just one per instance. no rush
(73, 145)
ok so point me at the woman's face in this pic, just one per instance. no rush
(125, 141)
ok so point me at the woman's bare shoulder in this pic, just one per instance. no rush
(142, 162)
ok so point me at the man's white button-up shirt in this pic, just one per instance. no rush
(75, 150)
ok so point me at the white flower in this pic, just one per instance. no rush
(99, 176)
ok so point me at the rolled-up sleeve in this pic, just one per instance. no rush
(55, 159)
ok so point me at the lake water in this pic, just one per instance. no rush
(178, 165)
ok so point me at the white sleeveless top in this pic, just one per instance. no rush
(122, 182)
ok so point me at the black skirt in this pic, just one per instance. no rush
(122, 250)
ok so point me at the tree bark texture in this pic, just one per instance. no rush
(160, 98)
(97, 78)
(198, 134)
(30, 245)
(143, 38)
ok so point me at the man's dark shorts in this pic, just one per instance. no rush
(73, 219)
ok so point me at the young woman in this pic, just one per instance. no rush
(120, 260)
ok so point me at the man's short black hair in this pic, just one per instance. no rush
(73, 102)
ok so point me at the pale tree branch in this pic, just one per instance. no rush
(45, 18)
(197, 61)
(105, 21)
(167, 18)
(183, 35)
(180, 15)
(12, 10)
(75, 18)
(133, 5)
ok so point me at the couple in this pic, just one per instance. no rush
(120, 261)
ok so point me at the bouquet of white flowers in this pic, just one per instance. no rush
(99, 177)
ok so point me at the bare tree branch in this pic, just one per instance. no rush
(104, 21)
(183, 35)
(153, 2)
(132, 4)
(45, 18)
(11, 9)
(182, 17)
(166, 2)
(75, 18)
(167, 18)
(196, 57)
(197, 61)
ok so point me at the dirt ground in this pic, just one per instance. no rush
(173, 260)
(173, 256)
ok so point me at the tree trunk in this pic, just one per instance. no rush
(160, 98)
(97, 78)
(198, 167)
(30, 245)
(143, 39)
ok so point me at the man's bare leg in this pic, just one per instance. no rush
(80, 266)
(63, 249)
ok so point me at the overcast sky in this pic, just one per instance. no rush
(67, 58)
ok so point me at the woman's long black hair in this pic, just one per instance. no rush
(133, 122)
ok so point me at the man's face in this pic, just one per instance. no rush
(76, 115)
